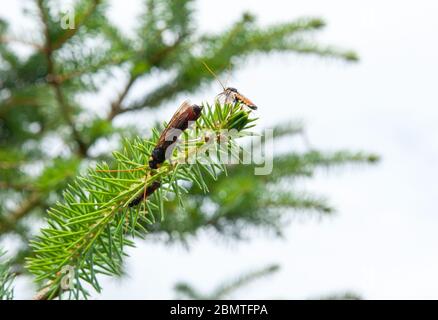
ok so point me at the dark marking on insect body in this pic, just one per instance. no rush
(180, 121)
(149, 190)
(158, 156)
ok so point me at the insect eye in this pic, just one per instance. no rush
(232, 89)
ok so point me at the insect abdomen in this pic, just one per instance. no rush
(149, 190)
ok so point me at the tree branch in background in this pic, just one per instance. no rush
(7, 39)
(224, 50)
(16, 186)
(6, 278)
(154, 61)
(9, 222)
(53, 81)
(184, 290)
(116, 106)
(37, 89)
(66, 112)
(70, 32)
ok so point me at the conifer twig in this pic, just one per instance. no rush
(89, 230)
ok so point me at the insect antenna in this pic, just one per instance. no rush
(229, 74)
(214, 75)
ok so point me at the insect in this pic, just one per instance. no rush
(180, 121)
(230, 94)
(148, 191)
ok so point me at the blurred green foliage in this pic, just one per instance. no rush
(227, 289)
(48, 134)
(6, 278)
(184, 290)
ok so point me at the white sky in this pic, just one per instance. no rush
(382, 243)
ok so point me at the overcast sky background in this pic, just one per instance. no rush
(383, 241)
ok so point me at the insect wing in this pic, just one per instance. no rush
(178, 119)
(226, 97)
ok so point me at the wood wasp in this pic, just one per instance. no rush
(179, 122)
(230, 94)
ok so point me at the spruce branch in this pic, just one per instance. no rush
(87, 233)
(9, 222)
(226, 289)
(185, 290)
(52, 79)
(6, 278)
(347, 295)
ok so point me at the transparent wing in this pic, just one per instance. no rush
(225, 97)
